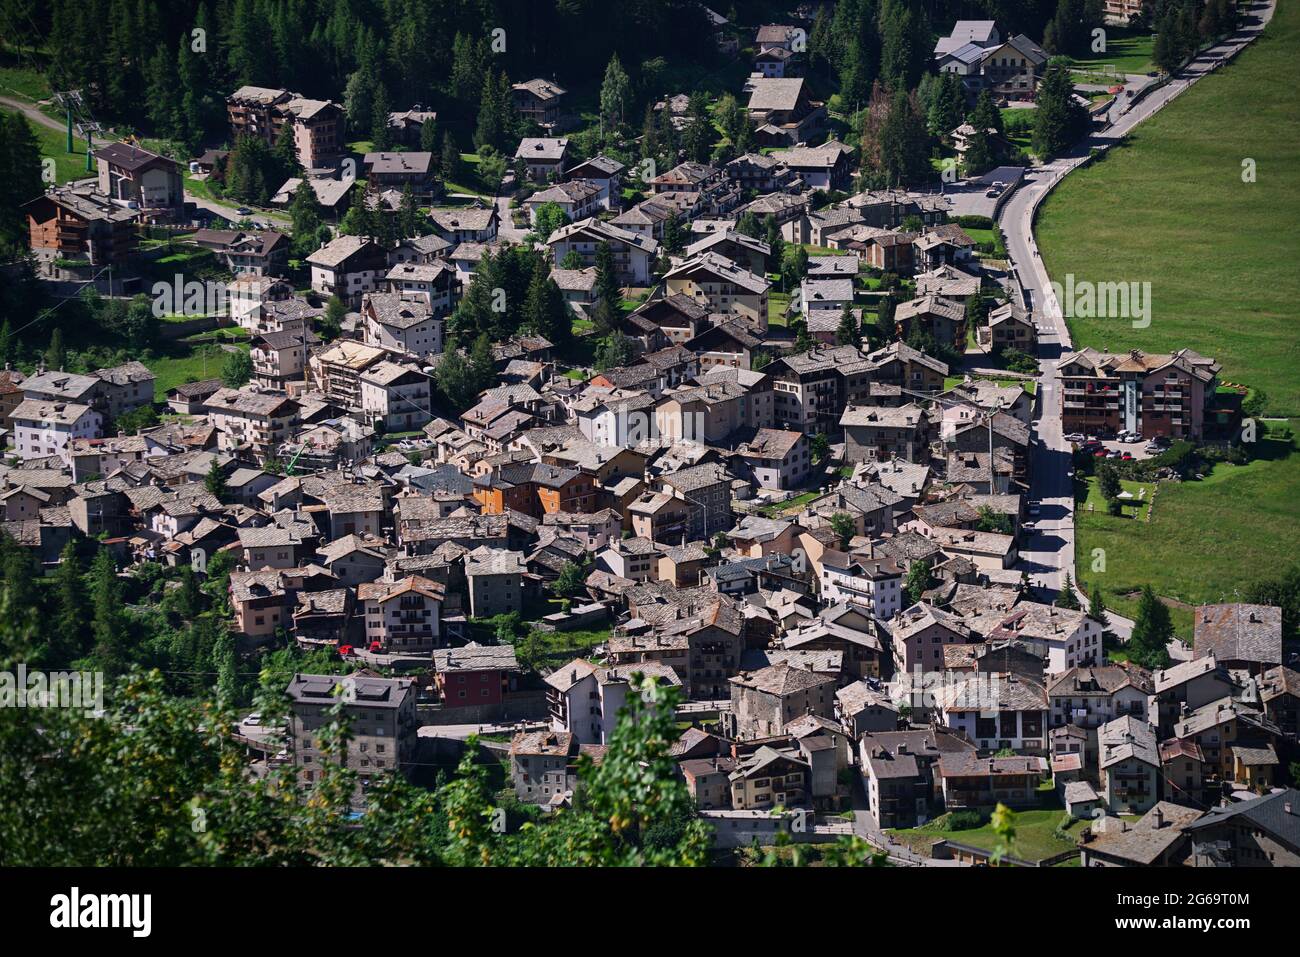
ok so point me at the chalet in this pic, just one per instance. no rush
(348, 267)
(539, 101)
(143, 180)
(545, 158)
(400, 171)
(77, 224)
(634, 254)
(403, 322)
(720, 284)
(253, 253)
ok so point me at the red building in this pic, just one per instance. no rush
(475, 674)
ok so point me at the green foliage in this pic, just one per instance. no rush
(1283, 593)
(1097, 607)
(1004, 826)
(1153, 628)
(570, 582)
(20, 180)
(991, 521)
(844, 527)
(1058, 121)
(1067, 597)
(847, 333)
(215, 480)
(237, 369)
(550, 217)
(617, 350)
(919, 580)
(819, 447)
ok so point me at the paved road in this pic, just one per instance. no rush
(462, 731)
(30, 111)
(1049, 553)
(223, 210)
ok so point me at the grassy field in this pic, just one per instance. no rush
(1170, 207)
(24, 82)
(194, 359)
(1029, 385)
(53, 144)
(1128, 51)
(777, 304)
(1035, 835)
(1205, 539)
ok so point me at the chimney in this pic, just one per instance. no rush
(1288, 807)
(1157, 817)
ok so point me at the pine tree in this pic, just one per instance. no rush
(215, 480)
(545, 311)
(608, 290)
(186, 597)
(307, 215)
(978, 158)
(72, 614)
(381, 134)
(699, 136)
(55, 357)
(1153, 629)
(615, 93)
(455, 379)
(408, 215)
(490, 129)
(1097, 608)
(774, 240)
(108, 620)
(8, 345)
(846, 334)
(985, 115)
(449, 158)
(1058, 120)
(429, 137)
(1067, 597)
(482, 364)
(331, 323)
(904, 143)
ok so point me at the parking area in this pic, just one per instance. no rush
(1136, 451)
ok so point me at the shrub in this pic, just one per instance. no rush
(963, 821)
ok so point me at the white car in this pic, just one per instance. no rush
(1076, 437)
(254, 720)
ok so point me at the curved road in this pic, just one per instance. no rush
(228, 212)
(1049, 552)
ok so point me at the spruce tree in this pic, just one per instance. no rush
(109, 625)
(1153, 629)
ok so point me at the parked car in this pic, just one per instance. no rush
(1130, 437)
(1035, 508)
(252, 721)
(1076, 437)
(244, 211)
